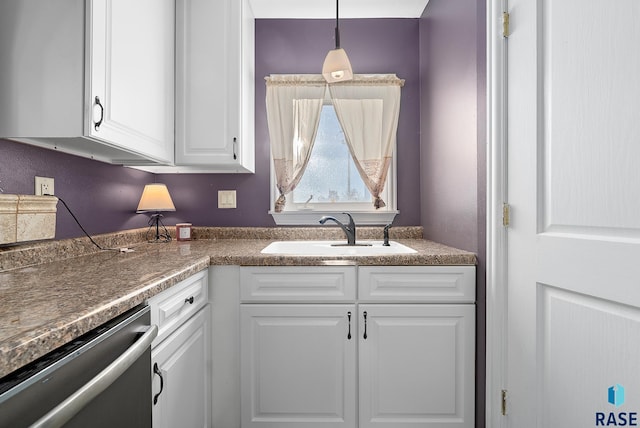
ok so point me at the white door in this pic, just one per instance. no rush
(573, 311)
(416, 365)
(298, 366)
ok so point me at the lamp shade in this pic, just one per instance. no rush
(155, 197)
(337, 67)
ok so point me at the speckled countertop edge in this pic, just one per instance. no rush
(69, 305)
(37, 253)
(78, 293)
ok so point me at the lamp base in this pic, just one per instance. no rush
(156, 222)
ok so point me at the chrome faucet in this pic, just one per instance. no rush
(350, 230)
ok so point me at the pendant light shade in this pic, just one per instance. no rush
(337, 67)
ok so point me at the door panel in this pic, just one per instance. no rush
(579, 363)
(590, 106)
(573, 185)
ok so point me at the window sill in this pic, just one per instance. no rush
(311, 218)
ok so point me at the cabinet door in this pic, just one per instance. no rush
(131, 65)
(214, 103)
(183, 362)
(416, 365)
(298, 366)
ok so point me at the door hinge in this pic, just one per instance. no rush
(505, 24)
(506, 214)
(503, 405)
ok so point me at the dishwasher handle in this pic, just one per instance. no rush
(64, 411)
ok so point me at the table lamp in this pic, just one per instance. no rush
(156, 198)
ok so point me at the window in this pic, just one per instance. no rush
(331, 183)
(331, 176)
(326, 141)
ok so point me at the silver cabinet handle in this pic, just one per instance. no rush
(235, 142)
(365, 326)
(97, 124)
(157, 371)
(64, 411)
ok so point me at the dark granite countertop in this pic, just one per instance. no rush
(45, 305)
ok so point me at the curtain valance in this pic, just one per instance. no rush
(317, 79)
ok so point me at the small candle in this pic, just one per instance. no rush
(183, 232)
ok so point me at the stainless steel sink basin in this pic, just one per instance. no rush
(335, 248)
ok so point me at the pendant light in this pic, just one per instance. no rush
(336, 67)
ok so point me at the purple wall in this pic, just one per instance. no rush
(104, 197)
(453, 140)
(449, 123)
(441, 138)
(299, 46)
(282, 46)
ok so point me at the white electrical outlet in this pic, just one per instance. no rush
(44, 186)
(226, 198)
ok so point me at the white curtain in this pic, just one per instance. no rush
(368, 108)
(294, 103)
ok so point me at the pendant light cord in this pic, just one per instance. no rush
(337, 24)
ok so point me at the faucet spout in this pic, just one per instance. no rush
(349, 231)
(386, 235)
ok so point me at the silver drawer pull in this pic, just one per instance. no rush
(157, 371)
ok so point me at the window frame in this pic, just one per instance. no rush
(308, 215)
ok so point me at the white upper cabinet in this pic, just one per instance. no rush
(215, 85)
(132, 70)
(92, 78)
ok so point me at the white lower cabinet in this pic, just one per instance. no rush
(181, 398)
(181, 355)
(320, 358)
(298, 366)
(416, 365)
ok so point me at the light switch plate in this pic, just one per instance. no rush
(226, 199)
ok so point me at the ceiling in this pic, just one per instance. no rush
(318, 9)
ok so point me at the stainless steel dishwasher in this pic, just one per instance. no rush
(101, 379)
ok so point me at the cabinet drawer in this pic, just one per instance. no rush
(174, 306)
(298, 283)
(430, 284)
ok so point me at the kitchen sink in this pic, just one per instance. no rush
(336, 248)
